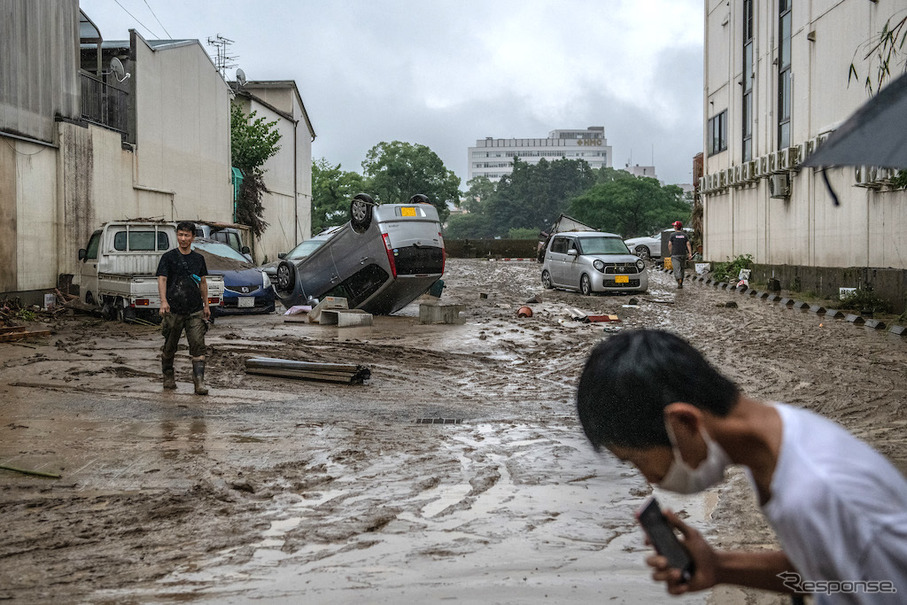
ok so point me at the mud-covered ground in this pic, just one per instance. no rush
(280, 490)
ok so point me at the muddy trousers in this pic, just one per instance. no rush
(678, 264)
(172, 327)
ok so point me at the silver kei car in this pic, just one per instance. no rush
(592, 261)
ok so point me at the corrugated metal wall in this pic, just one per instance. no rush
(39, 69)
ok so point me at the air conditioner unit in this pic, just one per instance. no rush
(737, 175)
(792, 160)
(773, 159)
(762, 164)
(779, 185)
(722, 178)
(748, 171)
(702, 183)
(810, 147)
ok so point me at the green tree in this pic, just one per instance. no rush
(533, 196)
(252, 141)
(480, 191)
(468, 226)
(396, 171)
(332, 189)
(630, 207)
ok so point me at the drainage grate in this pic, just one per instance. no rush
(437, 421)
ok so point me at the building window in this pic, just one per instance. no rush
(718, 133)
(784, 73)
(747, 109)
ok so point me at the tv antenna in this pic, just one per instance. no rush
(223, 60)
(118, 71)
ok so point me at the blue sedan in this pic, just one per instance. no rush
(246, 287)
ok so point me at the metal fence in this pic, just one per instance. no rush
(103, 104)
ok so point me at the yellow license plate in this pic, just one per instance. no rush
(621, 279)
(407, 212)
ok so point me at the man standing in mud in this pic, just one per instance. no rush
(681, 250)
(184, 305)
(838, 507)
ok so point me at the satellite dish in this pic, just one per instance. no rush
(241, 77)
(117, 69)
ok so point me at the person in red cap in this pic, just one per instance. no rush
(681, 250)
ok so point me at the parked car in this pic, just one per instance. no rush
(590, 262)
(247, 289)
(384, 258)
(649, 246)
(302, 250)
(219, 232)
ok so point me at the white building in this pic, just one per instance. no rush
(288, 174)
(776, 84)
(493, 158)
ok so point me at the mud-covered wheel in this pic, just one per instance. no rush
(361, 211)
(286, 278)
(585, 285)
(643, 252)
(546, 280)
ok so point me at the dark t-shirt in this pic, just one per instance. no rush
(184, 273)
(679, 241)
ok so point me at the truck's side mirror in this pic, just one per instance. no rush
(83, 253)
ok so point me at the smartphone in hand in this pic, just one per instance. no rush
(661, 535)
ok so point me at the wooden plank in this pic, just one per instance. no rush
(318, 376)
(308, 366)
(9, 336)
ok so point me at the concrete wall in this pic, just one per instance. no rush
(806, 229)
(183, 134)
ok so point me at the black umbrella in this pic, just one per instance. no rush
(874, 135)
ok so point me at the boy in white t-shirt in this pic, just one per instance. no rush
(839, 508)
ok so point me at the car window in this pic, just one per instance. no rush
(603, 245)
(559, 245)
(91, 253)
(140, 241)
(220, 249)
(304, 249)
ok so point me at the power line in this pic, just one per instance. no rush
(158, 20)
(154, 35)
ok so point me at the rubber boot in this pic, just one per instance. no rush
(679, 284)
(167, 370)
(198, 377)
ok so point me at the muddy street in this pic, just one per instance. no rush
(457, 472)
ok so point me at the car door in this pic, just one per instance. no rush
(557, 255)
(88, 269)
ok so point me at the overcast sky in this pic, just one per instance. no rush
(446, 73)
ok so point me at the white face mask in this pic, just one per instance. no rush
(683, 479)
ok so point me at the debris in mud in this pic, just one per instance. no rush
(345, 373)
(10, 333)
(524, 312)
(729, 305)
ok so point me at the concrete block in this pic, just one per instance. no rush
(833, 314)
(763, 295)
(788, 302)
(439, 314)
(329, 302)
(898, 330)
(345, 318)
(722, 285)
(752, 293)
(773, 298)
(817, 309)
(800, 305)
(855, 319)
(875, 324)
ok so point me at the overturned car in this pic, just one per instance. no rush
(384, 258)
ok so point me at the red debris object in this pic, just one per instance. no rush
(600, 318)
(524, 312)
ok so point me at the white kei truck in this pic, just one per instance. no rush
(117, 269)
